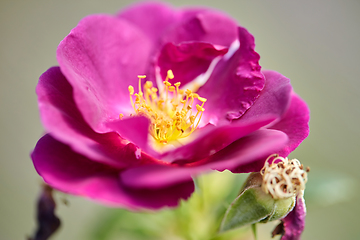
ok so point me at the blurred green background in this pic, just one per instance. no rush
(314, 43)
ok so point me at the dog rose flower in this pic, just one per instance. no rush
(201, 102)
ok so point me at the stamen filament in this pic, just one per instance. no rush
(131, 90)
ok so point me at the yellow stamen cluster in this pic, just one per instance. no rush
(283, 178)
(170, 110)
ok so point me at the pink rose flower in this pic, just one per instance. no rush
(103, 143)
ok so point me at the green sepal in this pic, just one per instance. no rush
(282, 207)
(251, 206)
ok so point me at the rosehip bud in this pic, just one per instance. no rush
(267, 195)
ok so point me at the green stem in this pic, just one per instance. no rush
(253, 228)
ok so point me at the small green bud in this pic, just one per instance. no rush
(253, 205)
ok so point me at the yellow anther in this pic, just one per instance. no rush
(154, 96)
(154, 90)
(195, 95)
(148, 91)
(170, 74)
(175, 107)
(121, 116)
(188, 92)
(137, 99)
(167, 83)
(148, 84)
(201, 99)
(131, 90)
(141, 76)
(199, 108)
(172, 89)
(177, 84)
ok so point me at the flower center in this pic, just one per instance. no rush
(169, 110)
(283, 178)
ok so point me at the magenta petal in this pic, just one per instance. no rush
(188, 24)
(203, 25)
(136, 130)
(187, 60)
(155, 198)
(101, 57)
(210, 140)
(62, 119)
(249, 149)
(255, 146)
(156, 20)
(294, 222)
(157, 176)
(73, 173)
(235, 83)
(295, 123)
(274, 98)
(151, 18)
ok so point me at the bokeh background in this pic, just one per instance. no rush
(314, 43)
